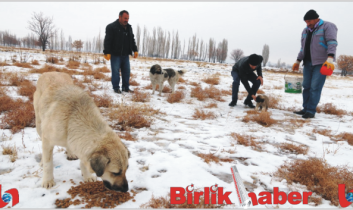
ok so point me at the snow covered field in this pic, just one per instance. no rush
(165, 154)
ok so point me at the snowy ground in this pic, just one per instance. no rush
(169, 146)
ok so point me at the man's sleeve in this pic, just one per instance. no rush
(134, 47)
(108, 39)
(331, 39)
(301, 52)
(259, 71)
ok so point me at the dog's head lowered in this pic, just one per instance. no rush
(259, 99)
(110, 162)
(156, 69)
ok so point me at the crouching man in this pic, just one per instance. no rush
(243, 71)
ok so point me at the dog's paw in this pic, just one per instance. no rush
(48, 184)
(71, 157)
(90, 179)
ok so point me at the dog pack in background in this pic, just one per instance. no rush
(158, 76)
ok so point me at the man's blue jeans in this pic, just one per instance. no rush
(123, 63)
(236, 82)
(313, 82)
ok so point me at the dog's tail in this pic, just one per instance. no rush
(182, 72)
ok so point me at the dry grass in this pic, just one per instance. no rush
(124, 116)
(127, 136)
(73, 64)
(133, 82)
(164, 203)
(273, 101)
(294, 149)
(52, 60)
(297, 122)
(27, 89)
(15, 79)
(208, 158)
(103, 69)
(212, 80)
(211, 105)
(18, 118)
(102, 100)
(140, 96)
(50, 68)
(8, 104)
(203, 115)
(23, 65)
(12, 151)
(262, 118)
(35, 62)
(226, 92)
(181, 87)
(260, 91)
(247, 141)
(348, 137)
(175, 97)
(318, 176)
(209, 92)
(181, 80)
(79, 83)
(194, 84)
(166, 88)
(330, 108)
(278, 87)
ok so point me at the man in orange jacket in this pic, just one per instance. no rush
(119, 43)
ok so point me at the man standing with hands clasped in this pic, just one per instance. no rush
(318, 48)
(119, 43)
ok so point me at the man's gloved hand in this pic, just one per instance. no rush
(107, 57)
(136, 54)
(295, 66)
(329, 63)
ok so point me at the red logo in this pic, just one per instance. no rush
(14, 194)
(194, 197)
(342, 195)
(293, 197)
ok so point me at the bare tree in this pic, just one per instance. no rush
(236, 55)
(211, 47)
(138, 35)
(78, 44)
(43, 27)
(345, 63)
(223, 50)
(265, 54)
(279, 64)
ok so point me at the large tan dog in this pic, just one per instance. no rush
(67, 116)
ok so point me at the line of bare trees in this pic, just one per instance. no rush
(160, 43)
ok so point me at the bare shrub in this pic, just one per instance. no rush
(23, 65)
(35, 62)
(102, 100)
(11, 151)
(211, 105)
(203, 115)
(72, 64)
(294, 149)
(177, 96)
(212, 80)
(124, 116)
(262, 118)
(318, 176)
(248, 141)
(52, 59)
(27, 89)
(330, 108)
(19, 118)
(140, 96)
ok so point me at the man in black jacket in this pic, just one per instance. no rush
(243, 71)
(119, 42)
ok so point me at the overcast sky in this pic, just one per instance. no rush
(246, 25)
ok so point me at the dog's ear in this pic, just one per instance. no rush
(98, 163)
(153, 69)
(259, 99)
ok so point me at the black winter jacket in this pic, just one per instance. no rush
(113, 41)
(243, 69)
